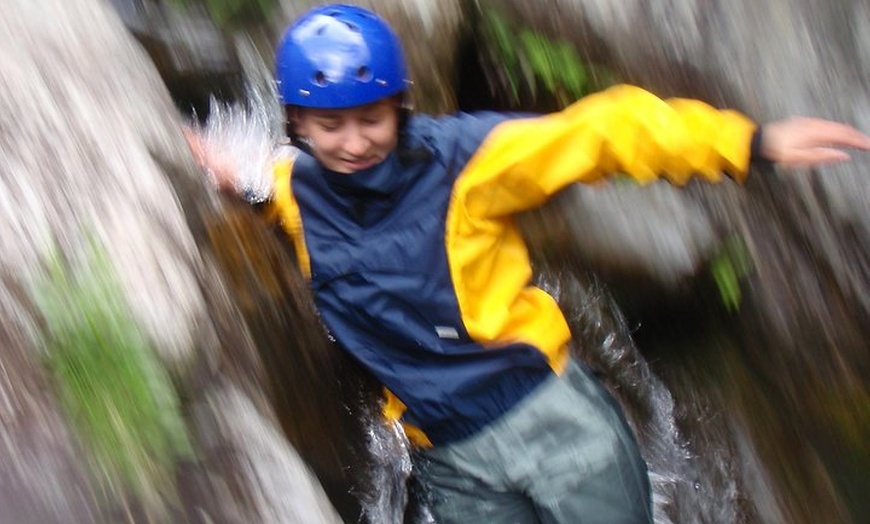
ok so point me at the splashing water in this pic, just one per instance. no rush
(686, 486)
(240, 140)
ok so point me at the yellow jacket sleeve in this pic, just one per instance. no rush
(521, 163)
(624, 129)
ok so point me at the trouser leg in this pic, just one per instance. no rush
(562, 455)
(456, 496)
(595, 474)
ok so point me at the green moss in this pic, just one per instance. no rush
(108, 378)
(730, 265)
(228, 13)
(532, 62)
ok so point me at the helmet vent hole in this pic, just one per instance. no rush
(353, 27)
(364, 74)
(320, 78)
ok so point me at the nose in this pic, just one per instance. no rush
(355, 142)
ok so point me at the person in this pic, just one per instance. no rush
(403, 225)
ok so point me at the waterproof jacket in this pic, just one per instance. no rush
(419, 271)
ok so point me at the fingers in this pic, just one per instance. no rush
(816, 156)
(828, 133)
(217, 169)
(195, 143)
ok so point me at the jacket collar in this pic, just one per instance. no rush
(381, 180)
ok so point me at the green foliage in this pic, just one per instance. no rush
(108, 378)
(730, 265)
(532, 61)
(233, 12)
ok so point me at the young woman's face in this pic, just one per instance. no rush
(353, 139)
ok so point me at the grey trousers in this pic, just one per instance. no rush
(564, 454)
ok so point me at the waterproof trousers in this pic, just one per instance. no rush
(564, 454)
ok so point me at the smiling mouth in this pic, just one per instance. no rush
(362, 163)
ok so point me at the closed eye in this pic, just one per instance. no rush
(328, 124)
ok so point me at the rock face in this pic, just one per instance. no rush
(93, 154)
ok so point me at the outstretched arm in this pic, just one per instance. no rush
(630, 131)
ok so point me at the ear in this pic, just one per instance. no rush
(295, 122)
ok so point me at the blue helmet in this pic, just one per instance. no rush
(338, 56)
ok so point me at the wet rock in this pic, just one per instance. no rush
(196, 59)
(93, 155)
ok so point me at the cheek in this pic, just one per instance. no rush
(386, 138)
(322, 141)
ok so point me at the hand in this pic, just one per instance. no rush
(806, 142)
(218, 169)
